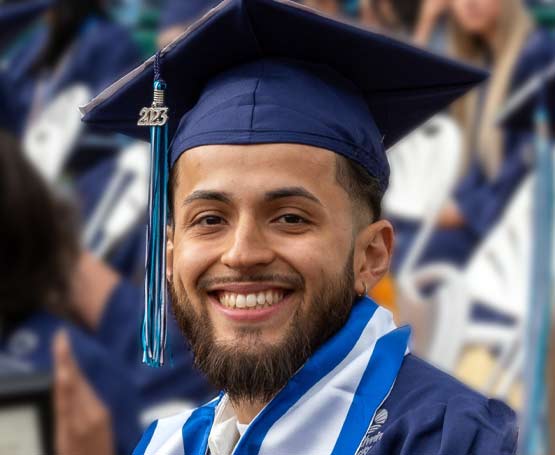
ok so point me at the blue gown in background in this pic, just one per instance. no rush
(429, 412)
(110, 359)
(16, 17)
(128, 256)
(102, 52)
(480, 199)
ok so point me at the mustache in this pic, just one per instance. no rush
(294, 281)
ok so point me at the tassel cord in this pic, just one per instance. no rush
(154, 330)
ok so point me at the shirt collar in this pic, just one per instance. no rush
(224, 434)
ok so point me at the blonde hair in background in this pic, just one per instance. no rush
(484, 136)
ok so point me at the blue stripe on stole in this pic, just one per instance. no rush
(373, 388)
(145, 440)
(196, 429)
(319, 365)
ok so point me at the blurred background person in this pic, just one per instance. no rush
(76, 44)
(498, 35)
(48, 283)
(65, 49)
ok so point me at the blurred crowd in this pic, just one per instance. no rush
(73, 205)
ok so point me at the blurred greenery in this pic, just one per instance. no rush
(146, 31)
(545, 15)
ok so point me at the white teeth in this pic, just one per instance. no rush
(261, 299)
(251, 300)
(240, 301)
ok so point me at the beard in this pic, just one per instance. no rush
(247, 368)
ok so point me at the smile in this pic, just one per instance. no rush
(251, 302)
(258, 300)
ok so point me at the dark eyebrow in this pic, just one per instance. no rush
(207, 196)
(293, 191)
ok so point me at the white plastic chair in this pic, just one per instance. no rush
(50, 139)
(498, 277)
(124, 202)
(424, 170)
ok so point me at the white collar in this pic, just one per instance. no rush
(226, 430)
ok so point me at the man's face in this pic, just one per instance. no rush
(262, 247)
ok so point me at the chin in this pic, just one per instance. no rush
(251, 339)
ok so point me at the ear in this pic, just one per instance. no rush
(169, 252)
(373, 250)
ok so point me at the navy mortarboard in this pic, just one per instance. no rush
(265, 71)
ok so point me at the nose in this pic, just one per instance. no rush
(248, 247)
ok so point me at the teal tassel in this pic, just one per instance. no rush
(154, 328)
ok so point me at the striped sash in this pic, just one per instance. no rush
(325, 408)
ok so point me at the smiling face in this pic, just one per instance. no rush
(264, 254)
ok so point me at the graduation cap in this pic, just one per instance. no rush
(178, 12)
(271, 71)
(14, 17)
(535, 96)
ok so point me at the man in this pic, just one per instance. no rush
(280, 118)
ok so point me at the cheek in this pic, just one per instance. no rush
(315, 257)
(191, 260)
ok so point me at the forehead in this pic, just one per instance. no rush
(256, 167)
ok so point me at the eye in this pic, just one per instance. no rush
(291, 218)
(209, 220)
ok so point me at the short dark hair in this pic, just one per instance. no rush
(38, 240)
(363, 189)
(172, 182)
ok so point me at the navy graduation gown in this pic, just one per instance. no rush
(430, 413)
(482, 200)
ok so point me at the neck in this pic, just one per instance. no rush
(247, 410)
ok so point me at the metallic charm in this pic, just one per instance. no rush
(157, 114)
(153, 116)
